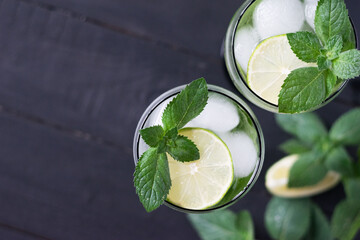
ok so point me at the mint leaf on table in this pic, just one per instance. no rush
(287, 218)
(331, 18)
(152, 135)
(346, 129)
(339, 161)
(294, 146)
(333, 47)
(307, 127)
(152, 179)
(319, 226)
(187, 105)
(345, 221)
(305, 45)
(347, 65)
(222, 224)
(306, 171)
(352, 188)
(245, 226)
(330, 82)
(183, 149)
(303, 89)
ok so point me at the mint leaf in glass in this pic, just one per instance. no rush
(307, 127)
(152, 135)
(306, 171)
(305, 45)
(345, 222)
(346, 129)
(287, 218)
(347, 65)
(188, 104)
(183, 149)
(331, 80)
(294, 146)
(323, 63)
(333, 47)
(303, 89)
(152, 179)
(331, 19)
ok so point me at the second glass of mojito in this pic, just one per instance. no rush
(257, 52)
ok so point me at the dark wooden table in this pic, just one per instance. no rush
(75, 77)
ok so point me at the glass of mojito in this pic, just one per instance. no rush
(259, 57)
(231, 147)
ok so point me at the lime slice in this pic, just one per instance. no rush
(202, 183)
(270, 64)
(277, 176)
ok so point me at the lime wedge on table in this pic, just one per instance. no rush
(277, 177)
(269, 66)
(202, 183)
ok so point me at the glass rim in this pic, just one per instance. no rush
(246, 5)
(237, 100)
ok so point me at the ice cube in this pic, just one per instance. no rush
(219, 115)
(275, 17)
(246, 40)
(243, 152)
(310, 9)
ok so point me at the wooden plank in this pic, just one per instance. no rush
(196, 25)
(83, 76)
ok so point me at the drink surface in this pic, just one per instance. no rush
(263, 20)
(233, 125)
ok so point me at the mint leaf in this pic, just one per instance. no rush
(334, 46)
(305, 45)
(306, 171)
(172, 133)
(308, 127)
(215, 225)
(303, 89)
(152, 135)
(323, 63)
(183, 150)
(188, 104)
(346, 130)
(152, 179)
(339, 161)
(346, 219)
(330, 82)
(319, 227)
(287, 218)
(245, 226)
(347, 66)
(352, 188)
(331, 18)
(294, 146)
(349, 37)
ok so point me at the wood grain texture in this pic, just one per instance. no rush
(74, 84)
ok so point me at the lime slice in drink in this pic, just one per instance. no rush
(277, 177)
(269, 65)
(202, 183)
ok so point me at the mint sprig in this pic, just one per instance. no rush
(152, 177)
(331, 48)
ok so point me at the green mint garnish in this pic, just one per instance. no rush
(303, 89)
(331, 48)
(305, 45)
(152, 177)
